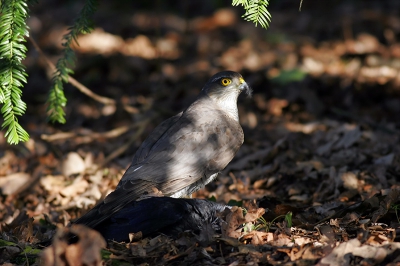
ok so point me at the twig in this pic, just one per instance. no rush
(185, 253)
(91, 94)
(116, 132)
(58, 136)
(26, 256)
(82, 88)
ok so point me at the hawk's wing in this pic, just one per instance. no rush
(155, 135)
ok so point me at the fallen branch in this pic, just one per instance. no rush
(88, 135)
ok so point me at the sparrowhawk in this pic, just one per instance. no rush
(185, 152)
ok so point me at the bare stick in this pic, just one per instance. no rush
(61, 136)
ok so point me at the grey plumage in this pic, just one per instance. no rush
(185, 152)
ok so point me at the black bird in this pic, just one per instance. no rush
(165, 215)
(183, 153)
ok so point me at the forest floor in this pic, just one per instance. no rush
(318, 173)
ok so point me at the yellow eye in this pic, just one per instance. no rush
(226, 82)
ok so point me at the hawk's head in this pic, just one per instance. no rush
(224, 88)
(226, 83)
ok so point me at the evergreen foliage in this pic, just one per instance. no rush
(256, 11)
(57, 101)
(13, 30)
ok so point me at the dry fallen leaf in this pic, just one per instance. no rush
(11, 183)
(78, 186)
(72, 164)
(234, 219)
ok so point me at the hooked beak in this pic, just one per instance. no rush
(244, 87)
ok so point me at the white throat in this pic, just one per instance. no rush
(228, 104)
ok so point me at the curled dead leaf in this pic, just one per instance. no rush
(234, 219)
